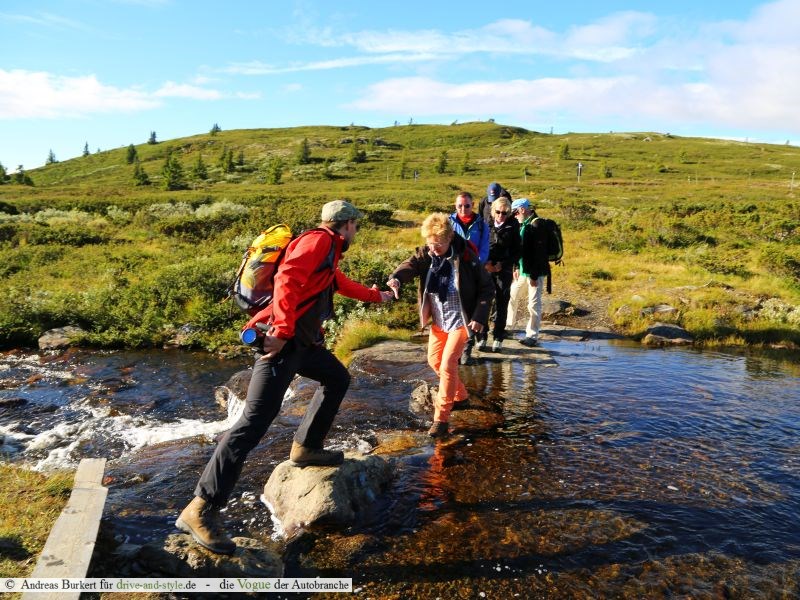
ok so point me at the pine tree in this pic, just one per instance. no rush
(464, 168)
(21, 177)
(275, 171)
(240, 159)
(357, 155)
(199, 171)
(226, 161)
(132, 156)
(402, 169)
(441, 164)
(51, 158)
(327, 173)
(563, 152)
(304, 153)
(139, 175)
(172, 173)
(215, 129)
(85, 149)
(152, 138)
(3, 174)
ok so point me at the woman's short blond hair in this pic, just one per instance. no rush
(501, 202)
(437, 225)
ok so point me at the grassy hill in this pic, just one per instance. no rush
(709, 227)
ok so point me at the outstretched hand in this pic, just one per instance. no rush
(386, 295)
(394, 285)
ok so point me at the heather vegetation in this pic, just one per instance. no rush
(139, 243)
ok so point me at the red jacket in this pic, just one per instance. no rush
(297, 280)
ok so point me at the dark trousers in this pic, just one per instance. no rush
(502, 294)
(270, 380)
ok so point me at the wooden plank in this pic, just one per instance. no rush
(69, 547)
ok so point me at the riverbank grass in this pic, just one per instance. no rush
(30, 503)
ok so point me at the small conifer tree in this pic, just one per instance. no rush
(304, 153)
(131, 155)
(172, 173)
(357, 155)
(139, 174)
(152, 138)
(3, 174)
(215, 129)
(465, 166)
(51, 158)
(85, 149)
(275, 171)
(226, 161)
(240, 159)
(441, 163)
(199, 171)
(402, 168)
(563, 152)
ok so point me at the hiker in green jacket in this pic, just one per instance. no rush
(529, 274)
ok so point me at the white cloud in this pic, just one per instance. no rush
(259, 68)
(29, 94)
(175, 90)
(37, 94)
(43, 19)
(730, 75)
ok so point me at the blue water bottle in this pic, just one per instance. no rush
(249, 336)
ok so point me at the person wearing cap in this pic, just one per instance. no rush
(454, 294)
(493, 192)
(293, 344)
(529, 274)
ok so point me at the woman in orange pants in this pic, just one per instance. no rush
(455, 293)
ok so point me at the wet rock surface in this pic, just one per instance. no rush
(301, 498)
(60, 337)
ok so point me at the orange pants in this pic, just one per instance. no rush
(444, 350)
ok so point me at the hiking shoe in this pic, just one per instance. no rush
(438, 430)
(201, 520)
(301, 456)
(482, 345)
(530, 342)
(466, 358)
(497, 346)
(460, 405)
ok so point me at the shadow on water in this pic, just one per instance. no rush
(605, 469)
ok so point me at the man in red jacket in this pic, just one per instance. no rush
(304, 286)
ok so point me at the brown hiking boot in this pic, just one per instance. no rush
(438, 430)
(301, 456)
(201, 520)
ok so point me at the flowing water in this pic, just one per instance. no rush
(614, 471)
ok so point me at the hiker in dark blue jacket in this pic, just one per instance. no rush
(470, 225)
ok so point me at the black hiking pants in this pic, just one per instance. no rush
(270, 380)
(502, 294)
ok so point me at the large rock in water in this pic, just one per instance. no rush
(302, 497)
(60, 337)
(663, 334)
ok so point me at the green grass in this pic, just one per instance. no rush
(710, 227)
(29, 505)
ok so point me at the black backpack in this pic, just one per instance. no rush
(555, 243)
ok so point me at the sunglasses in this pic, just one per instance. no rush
(501, 213)
(463, 205)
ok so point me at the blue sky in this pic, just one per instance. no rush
(108, 72)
